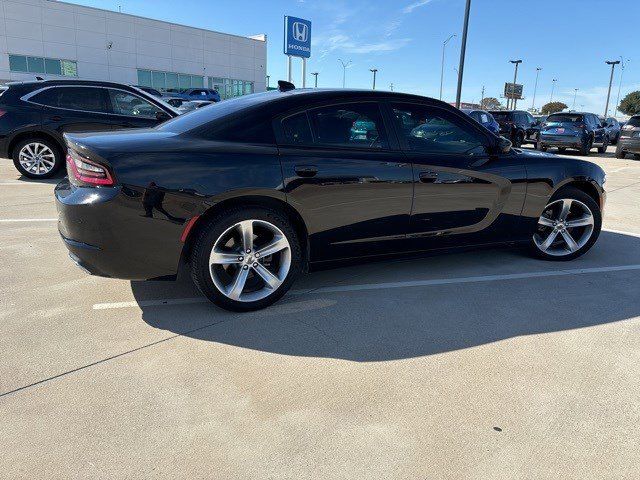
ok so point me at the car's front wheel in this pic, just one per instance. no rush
(569, 226)
(605, 144)
(518, 139)
(37, 158)
(620, 153)
(246, 258)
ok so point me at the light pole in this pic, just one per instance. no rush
(391, 86)
(514, 101)
(268, 78)
(553, 87)
(463, 50)
(344, 70)
(315, 74)
(374, 71)
(622, 65)
(444, 44)
(535, 88)
(613, 66)
(575, 94)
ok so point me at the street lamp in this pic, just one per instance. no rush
(613, 66)
(553, 87)
(374, 71)
(575, 94)
(444, 44)
(344, 69)
(315, 74)
(514, 101)
(535, 88)
(622, 65)
(463, 49)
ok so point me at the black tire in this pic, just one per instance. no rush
(561, 149)
(636, 156)
(605, 144)
(57, 151)
(586, 147)
(518, 139)
(615, 139)
(620, 153)
(209, 234)
(541, 147)
(575, 194)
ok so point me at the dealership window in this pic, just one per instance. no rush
(50, 66)
(167, 80)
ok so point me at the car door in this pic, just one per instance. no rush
(73, 108)
(347, 177)
(463, 190)
(599, 131)
(531, 129)
(128, 110)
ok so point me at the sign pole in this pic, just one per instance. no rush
(289, 71)
(304, 72)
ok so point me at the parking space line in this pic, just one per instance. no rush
(26, 220)
(389, 285)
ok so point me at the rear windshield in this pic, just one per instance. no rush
(502, 116)
(634, 122)
(565, 118)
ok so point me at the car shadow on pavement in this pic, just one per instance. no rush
(407, 322)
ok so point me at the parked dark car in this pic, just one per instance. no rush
(191, 105)
(195, 94)
(149, 90)
(629, 141)
(517, 125)
(577, 130)
(612, 126)
(484, 118)
(259, 188)
(34, 116)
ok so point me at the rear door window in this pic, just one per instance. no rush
(87, 99)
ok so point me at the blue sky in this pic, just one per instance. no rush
(569, 39)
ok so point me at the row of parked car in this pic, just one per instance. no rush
(575, 130)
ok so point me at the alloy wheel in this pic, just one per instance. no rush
(564, 227)
(36, 158)
(250, 260)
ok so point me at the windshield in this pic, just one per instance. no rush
(565, 118)
(502, 116)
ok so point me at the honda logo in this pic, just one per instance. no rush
(300, 31)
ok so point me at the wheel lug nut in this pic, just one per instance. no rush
(246, 267)
(257, 255)
(240, 259)
(248, 250)
(255, 264)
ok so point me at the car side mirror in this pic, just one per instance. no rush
(503, 145)
(162, 116)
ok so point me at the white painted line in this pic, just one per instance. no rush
(26, 220)
(389, 285)
(621, 232)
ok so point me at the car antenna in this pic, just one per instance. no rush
(285, 86)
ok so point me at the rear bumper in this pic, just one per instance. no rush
(568, 141)
(629, 144)
(107, 234)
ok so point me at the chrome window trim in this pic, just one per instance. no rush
(28, 96)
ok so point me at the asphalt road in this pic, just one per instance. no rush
(481, 365)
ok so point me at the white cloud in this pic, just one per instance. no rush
(412, 6)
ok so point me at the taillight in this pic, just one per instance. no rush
(86, 171)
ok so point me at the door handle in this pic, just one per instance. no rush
(428, 177)
(306, 170)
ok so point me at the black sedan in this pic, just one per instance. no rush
(263, 187)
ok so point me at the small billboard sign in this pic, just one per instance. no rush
(297, 37)
(513, 90)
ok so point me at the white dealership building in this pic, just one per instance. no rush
(53, 39)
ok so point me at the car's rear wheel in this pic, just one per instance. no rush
(246, 258)
(37, 158)
(620, 153)
(604, 146)
(586, 146)
(518, 139)
(569, 226)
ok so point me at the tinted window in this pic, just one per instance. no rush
(349, 125)
(565, 118)
(502, 116)
(633, 122)
(431, 130)
(125, 103)
(296, 130)
(73, 98)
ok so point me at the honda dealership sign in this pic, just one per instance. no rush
(297, 37)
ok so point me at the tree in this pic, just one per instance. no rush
(490, 103)
(552, 107)
(630, 105)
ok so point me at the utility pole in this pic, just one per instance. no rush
(315, 74)
(515, 79)
(463, 50)
(344, 70)
(482, 96)
(391, 86)
(535, 88)
(575, 94)
(374, 71)
(444, 44)
(553, 87)
(613, 66)
(622, 65)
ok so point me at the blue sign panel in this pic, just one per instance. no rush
(297, 37)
